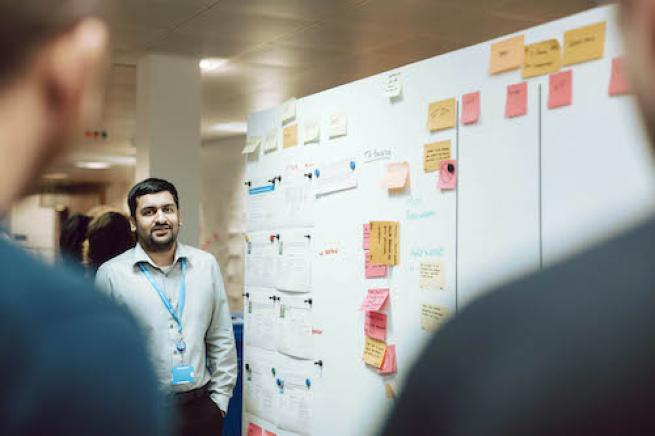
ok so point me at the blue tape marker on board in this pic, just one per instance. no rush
(352, 165)
(317, 172)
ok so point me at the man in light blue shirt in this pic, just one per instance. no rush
(176, 292)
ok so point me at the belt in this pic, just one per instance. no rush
(188, 396)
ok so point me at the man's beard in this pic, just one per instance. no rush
(149, 242)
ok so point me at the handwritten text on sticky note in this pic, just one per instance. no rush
(385, 242)
(432, 275)
(471, 108)
(516, 104)
(506, 55)
(432, 316)
(442, 115)
(542, 58)
(375, 325)
(560, 89)
(584, 44)
(374, 352)
(375, 299)
(433, 154)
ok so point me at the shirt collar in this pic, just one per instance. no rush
(140, 255)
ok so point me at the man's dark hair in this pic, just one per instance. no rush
(26, 25)
(149, 186)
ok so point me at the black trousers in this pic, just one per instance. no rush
(196, 414)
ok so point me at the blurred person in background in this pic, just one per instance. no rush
(109, 235)
(72, 236)
(73, 363)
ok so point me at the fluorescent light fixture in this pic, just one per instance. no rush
(232, 127)
(92, 165)
(55, 176)
(208, 65)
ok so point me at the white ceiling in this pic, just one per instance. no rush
(277, 49)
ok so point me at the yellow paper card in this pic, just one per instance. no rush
(542, 58)
(374, 352)
(432, 316)
(584, 44)
(506, 55)
(384, 241)
(442, 115)
(290, 136)
(433, 154)
(432, 275)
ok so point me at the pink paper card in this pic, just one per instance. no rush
(367, 235)
(619, 84)
(517, 100)
(375, 325)
(471, 108)
(389, 364)
(447, 175)
(254, 430)
(373, 271)
(375, 299)
(396, 176)
(560, 89)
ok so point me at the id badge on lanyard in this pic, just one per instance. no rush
(180, 374)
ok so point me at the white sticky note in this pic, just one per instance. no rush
(270, 142)
(394, 85)
(312, 132)
(252, 144)
(289, 110)
(338, 125)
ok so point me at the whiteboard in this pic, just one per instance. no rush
(531, 191)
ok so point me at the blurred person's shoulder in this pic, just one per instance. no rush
(581, 329)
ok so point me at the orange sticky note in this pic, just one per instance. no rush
(560, 89)
(396, 176)
(375, 325)
(367, 236)
(506, 55)
(254, 430)
(269, 433)
(375, 299)
(517, 100)
(372, 271)
(374, 352)
(389, 365)
(619, 84)
(448, 175)
(442, 115)
(471, 108)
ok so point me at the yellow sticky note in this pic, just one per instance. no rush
(374, 352)
(584, 44)
(507, 55)
(542, 58)
(290, 136)
(442, 114)
(433, 154)
(384, 241)
(432, 316)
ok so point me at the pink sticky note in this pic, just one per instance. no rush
(254, 430)
(447, 174)
(561, 89)
(389, 364)
(396, 176)
(375, 325)
(373, 271)
(471, 108)
(517, 100)
(367, 235)
(619, 84)
(375, 299)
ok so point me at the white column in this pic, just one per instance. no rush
(168, 131)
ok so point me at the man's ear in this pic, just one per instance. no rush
(73, 70)
(132, 224)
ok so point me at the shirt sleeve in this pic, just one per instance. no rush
(221, 350)
(103, 281)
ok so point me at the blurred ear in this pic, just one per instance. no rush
(132, 224)
(72, 69)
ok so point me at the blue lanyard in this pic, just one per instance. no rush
(177, 316)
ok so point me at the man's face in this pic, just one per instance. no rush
(157, 221)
